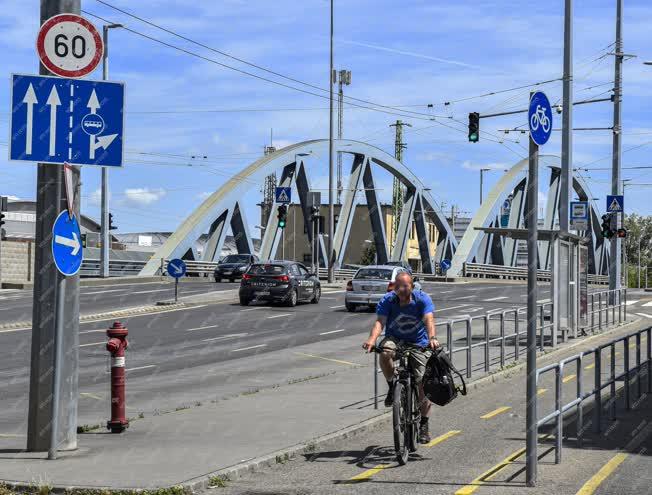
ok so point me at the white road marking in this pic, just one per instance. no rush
(464, 297)
(452, 307)
(15, 330)
(445, 292)
(252, 309)
(103, 292)
(337, 331)
(629, 303)
(279, 316)
(149, 291)
(335, 307)
(141, 367)
(248, 348)
(647, 304)
(473, 310)
(144, 314)
(224, 337)
(643, 314)
(201, 328)
(332, 291)
(93, 343)
(497, 298)
(93, 331)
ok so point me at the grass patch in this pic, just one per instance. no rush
(218, 481)
(88, 428)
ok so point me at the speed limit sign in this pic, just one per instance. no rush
(69, 46)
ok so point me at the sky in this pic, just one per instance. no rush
(191, 123)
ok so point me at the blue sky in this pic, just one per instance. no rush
(408, 53)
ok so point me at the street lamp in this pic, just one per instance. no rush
(104, 216)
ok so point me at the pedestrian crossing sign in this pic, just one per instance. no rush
(615, 204)
(283, 194)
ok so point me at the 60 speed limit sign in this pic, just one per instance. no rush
(69, 46)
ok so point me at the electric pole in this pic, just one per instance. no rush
(48, 297)
(269, 188)
(331, 210)
(397, 189)
(566, 179)
(343, 78)
(616, 184)
(482, 171)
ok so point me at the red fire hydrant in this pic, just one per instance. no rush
(116, 346)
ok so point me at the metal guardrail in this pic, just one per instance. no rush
(580, 396)
(618, 300)
(117, 268)
(479, 270)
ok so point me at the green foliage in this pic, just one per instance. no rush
(639, 228)
(218, 481)
(368, 255)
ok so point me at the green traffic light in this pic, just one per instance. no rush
(473, 138)
(281, 224)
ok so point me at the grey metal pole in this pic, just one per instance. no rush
(567, 121)
(56, 373)
(616, 185)
(481, 172)
(104, 217)
(331, 211)
(532, 293)
(639, 262)
(49, 202)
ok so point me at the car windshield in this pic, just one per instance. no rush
(236, 258)
(267, 270)
(373, 274)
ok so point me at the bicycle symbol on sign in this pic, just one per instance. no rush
(540, 118)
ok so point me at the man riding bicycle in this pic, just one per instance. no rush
(407, 316)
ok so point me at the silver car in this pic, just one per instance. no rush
(370, 284)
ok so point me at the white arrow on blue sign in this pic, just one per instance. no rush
(56, 120)
(67, 249)
(176, 268)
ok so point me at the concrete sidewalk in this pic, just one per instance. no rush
(185, 447)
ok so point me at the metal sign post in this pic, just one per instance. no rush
(540, 123)
(176, 269)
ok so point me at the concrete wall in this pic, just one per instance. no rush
(17, 260)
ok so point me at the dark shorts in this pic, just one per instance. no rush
(418, 357)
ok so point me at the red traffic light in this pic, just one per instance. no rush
(621, 233)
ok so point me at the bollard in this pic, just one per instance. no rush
(116, 346)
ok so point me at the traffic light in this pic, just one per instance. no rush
(474, 127)
(111, 226)
(621, 233)
(84, 241)
(314, 212)
(606, 227)
(2, 219)
(282, 216)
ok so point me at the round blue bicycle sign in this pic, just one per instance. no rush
(539, 117)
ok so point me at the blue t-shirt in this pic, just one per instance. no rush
(406, 322)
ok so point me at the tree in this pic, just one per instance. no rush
(638, 228)
(369, 255)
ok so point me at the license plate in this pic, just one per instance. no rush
(262, 293)
(369, 288)
(227, 273)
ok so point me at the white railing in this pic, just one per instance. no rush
(480, 270)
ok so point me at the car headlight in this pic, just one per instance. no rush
(242, 268)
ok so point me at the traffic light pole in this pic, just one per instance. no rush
(47, 292)
(616, 184)
(566, 179)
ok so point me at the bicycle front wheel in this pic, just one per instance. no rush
(400, 422)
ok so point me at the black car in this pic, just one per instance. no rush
(233, 266)
(279, 281)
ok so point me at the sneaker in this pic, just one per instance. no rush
(389, 399)
(424, 433)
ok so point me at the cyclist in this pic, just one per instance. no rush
(407, 316)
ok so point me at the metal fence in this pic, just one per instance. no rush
(480, 270)
(641, 368)
(117, 268)
(604, 303)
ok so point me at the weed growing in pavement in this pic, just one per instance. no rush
(282, 459)
(88, 428)
(218, 481)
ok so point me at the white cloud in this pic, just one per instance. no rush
(95, 198)
(143, 195)
(492, 166)
(204, 195)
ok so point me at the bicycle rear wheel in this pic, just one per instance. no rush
(413, 417)
(400, 411)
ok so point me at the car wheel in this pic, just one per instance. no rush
(244, 301)
(350, 307)
(292, 298)
(316, 296)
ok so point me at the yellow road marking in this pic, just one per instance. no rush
(596, 480)
(590, 366)
(487, 475)
(92, 396)
(442, 438)
(365, 475)
(327, 359)
(495, 412)
(542, 391)
(10, 435)
(568, 378)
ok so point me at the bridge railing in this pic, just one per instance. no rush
(480, 270)
(117, 268)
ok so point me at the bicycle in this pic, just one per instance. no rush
(406, 410)
(540, 118)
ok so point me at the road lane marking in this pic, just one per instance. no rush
(332, 291)
(333, 331)
(365, 475)
(224, 337)
(130, 316)
(93, 331)
(590, 366)
(497, 298)
(542, 391)
(465, 297)
(643, 315)
(495, 412)
(490, 473)
(336, 307)
(279, 316)
(15, 330)
(441, 438)
(141, 367)
(629, 303)
(248, 348)
(252, 309)
(568, 378)
(92, 396)
(104, 292)
(93, 343)
(647, 304)
(348, 363)
(473, 310)
(10, 435)
(201, 328)
(149, 291)
(445, 292)
(452, 307)
(596, 480)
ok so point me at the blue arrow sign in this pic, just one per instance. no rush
(283, 194)
(176, 268)
(55, 120)
(615, 203)
(539, 118)
(67, 244)
(445, 265)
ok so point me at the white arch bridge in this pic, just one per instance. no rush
(225, 209)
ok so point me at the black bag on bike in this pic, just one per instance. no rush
(438, 383)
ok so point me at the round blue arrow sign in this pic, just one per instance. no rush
(176, 268)
(445, 265)
(539, 118)
(67, 249)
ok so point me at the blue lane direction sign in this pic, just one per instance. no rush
(55, 120)
(66, 244)
(283, 194)
(445, 265)
(615, 203)
(539, 118)
(176, 268)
